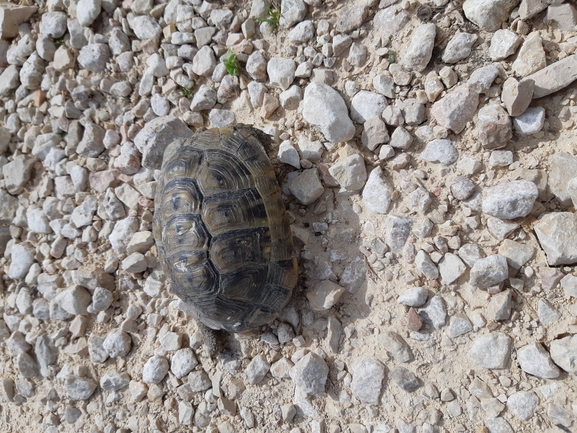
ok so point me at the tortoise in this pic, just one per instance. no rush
(221, 229)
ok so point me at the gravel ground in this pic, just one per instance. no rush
(426, 150)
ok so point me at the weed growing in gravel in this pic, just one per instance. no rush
(59, 42)
(231, 63)
(391, 56)
(273, 16)
(186, 92)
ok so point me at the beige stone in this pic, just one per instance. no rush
(555, 76)
(517, 95)
(531, 56)
(11, 16)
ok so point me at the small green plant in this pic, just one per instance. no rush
(59, 42)
(186, 92)
(231, 63)
(272, 18)
(391, 56)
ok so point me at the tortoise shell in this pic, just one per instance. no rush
(221, 229)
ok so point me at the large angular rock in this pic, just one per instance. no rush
(534, 360)
(156, 135)
(350, 172)
(456, 108)
(531, 57)
(377, 194)
(555, 76)
(366, 105)
(459, 47)
(517, 95)
(503, 44)
(491, 350)
(488, 14)
(510, 200)
(489, 271)
(421, 48)
(557, 234)
(310, 374)
(563, 168)
(368, 375)
(564, 353)
(494, 126)
(325, 109)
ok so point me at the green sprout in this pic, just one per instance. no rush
(272, 18)
(391, 56)
(186, 92)
(231, 63)
(59, 42)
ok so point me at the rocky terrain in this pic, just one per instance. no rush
(427, 154)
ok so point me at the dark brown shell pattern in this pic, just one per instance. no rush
(221, 229)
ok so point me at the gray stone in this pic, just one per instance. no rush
(534, 359)
(377, 194)
(498, 425)
(564, 353)
(302, 32)
(462, 188)
(531, 121)
(350, 18)
(17, 173)
(87, 11)
(564, 15)
(8, 206)
(199, 381)
(489, 271)
(101, 300)
(325, 109)
(96, 351)
(287, 154)
(500, 158)
(9, 80)
(155, 369)
(397, 231)
(554, 77)
(94, 57)
(74, 300)
(559, 415)
(406, 379)
(204, 62)
(401, 138)
(547, 313)
(488, 14)
(481, 79)
(391, 20)
(79, 388)
(500, 228)
(451, 268)
(368, 374)
(556, 233)
(256, 370)
(522, 404)
(394, 344)
(499, 307)
(46, 354)
(350, 172)
(510, 200)
(112, 380)
(256, 66)
(455, 109)
(144, 27)
(440, 150)
(91, 144)
(22, 258)
(492, 351)
(220, 118)
(156, 135)
(307, 187)
(309, 374)
(435, 312)
(27, 365)
(503, 44)
(563, 167)
(459, 325)
(117, 343)
(292, 12)
(529, 8)
(459, 47)
(385, 85)
(494, 126)
(413, 297)
(420, 50)
(426, 265)
(281, 72)
(291, 98)
(366, 105)
(53, 24)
